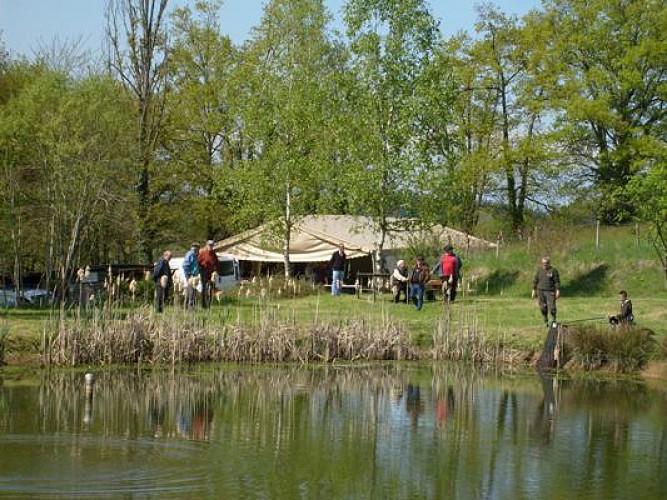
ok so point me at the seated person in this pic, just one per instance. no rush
(625, 317)
(399, 281)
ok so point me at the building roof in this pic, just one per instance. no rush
(315, 237)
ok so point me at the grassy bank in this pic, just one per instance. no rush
(493, 311)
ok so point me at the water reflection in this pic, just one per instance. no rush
(361, 431)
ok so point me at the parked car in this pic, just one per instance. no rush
(8, 298)
(39, 297)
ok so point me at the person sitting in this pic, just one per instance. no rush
(625, 317)
(399, 281)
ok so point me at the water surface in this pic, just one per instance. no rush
(377, 431)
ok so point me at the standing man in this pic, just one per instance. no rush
(163, 280)
(546, 288)
(208, 264)
(337, 263)
(418, 279)
(190, 273)
(399, 281)
(449, 264)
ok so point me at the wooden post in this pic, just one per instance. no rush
(497, 245)
(597, 233)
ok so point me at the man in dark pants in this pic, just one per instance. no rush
(546, 289)
(208, 264)
(625, 317)
(337, 263)
(163, 280)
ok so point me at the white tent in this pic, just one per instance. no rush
(315, 237)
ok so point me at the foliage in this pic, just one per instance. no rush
(201, 133)
(391, 44)
(604, 72)
(622, 350)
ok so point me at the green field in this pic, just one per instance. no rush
(493, 301)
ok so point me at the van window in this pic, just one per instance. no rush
(226, 268)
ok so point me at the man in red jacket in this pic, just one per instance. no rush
(449, 268)
(208, 264)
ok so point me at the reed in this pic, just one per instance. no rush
(182, 337)
(621, 350)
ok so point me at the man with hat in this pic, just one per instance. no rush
(449, 267)
(191, 274)
(208, 264)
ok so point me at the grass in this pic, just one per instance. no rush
(493, 301)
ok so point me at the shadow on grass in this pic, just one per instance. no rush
(587, 283)
(500, 280)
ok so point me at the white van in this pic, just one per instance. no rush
(229, 272)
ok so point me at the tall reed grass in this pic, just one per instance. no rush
(187, 337)
(620, 350)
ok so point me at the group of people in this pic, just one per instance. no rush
(412, 284)
(199, 267)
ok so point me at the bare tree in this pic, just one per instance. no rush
(138, 54)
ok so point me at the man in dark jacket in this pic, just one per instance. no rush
(546, 289)
(337, 263)
(625, 317)
(418, 279)
(163, 280)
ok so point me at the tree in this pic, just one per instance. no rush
(391, 44)
(606, 62)
(201, 125)
(648, 190)
(289, 69)
(138, 55)
(65, 147)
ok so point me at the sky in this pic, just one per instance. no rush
(28, 25)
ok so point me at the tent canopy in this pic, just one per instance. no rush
(315, 237)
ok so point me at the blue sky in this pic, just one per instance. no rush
(27, 25)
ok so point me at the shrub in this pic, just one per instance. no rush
(622, 350)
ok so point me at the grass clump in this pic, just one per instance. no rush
(620, 350)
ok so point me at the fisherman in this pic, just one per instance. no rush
(625, 317)
(546, 289)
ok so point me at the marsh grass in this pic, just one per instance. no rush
(620, 350)
(111, 337)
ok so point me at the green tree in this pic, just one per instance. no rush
(201, 133)
(391, 44)
(65, 147)
(288, 73)
(606, 62)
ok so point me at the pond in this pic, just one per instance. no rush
(372, 431)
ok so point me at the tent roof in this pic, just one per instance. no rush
(315, 237)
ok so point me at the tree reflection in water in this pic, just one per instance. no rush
(393, 430)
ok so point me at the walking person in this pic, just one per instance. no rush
(162, 277)
(418, 279)
(191, 275)
(546, 289)
(337, 264)
(208, 264)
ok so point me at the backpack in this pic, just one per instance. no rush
(459, 265)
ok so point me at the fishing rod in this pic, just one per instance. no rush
(594, 318)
